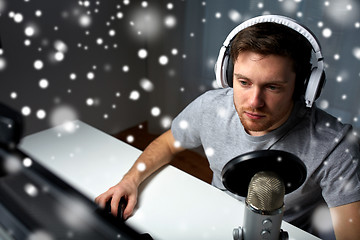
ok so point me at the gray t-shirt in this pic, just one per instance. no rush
(328, 148)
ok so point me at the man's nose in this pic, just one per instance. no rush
(256, 98)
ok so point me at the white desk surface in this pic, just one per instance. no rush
(172, 204)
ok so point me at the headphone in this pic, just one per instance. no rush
(314, 83)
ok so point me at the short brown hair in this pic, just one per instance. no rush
(273, 38)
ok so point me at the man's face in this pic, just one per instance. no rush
(263, 88)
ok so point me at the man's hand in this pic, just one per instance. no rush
(156, 155)
(125, 188)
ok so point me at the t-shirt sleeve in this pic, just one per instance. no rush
(340, 181)
(186, 126)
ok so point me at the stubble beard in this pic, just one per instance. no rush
(254, 125)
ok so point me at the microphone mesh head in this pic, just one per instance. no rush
(266, 191)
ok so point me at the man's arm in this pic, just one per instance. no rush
(346, 221)
(159, 153)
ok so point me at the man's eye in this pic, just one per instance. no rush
(244, 83)
(273, 87)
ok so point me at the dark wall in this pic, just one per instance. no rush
(102, 100)
(128, 88)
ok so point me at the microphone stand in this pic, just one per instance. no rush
(264, 177)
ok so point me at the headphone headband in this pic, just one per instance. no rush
(279, 20)
(316, 79)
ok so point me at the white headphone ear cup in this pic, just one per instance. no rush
(220, 66)
(230, 72)
(224, 77)
(313, 86)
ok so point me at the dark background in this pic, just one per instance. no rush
(187, 33)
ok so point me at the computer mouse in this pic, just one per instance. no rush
(120, 215)
(121, 208)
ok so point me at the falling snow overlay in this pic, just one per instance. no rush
(116, 63)
(90, 52)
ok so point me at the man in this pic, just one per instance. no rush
(264, 109)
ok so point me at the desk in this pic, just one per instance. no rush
(172, 204)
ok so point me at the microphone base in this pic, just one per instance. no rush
(238, 234)
(261, 226)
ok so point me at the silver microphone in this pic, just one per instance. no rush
(264, 209)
